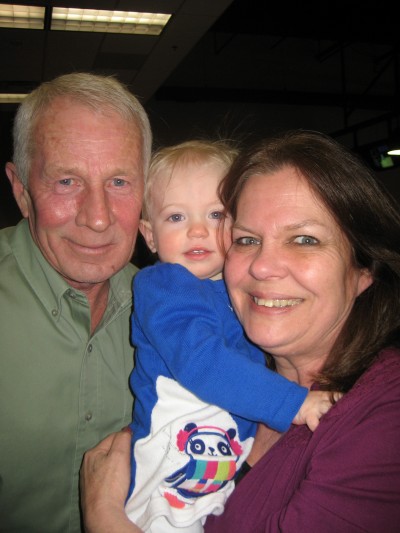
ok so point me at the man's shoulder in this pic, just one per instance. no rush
(7, 236)
(16, 243)
(131, 269)
(123, 279)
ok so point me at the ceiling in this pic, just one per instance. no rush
(342, 54)
(337, 57)
(332, 66)
(141, 61)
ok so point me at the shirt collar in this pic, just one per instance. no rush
(47, 283)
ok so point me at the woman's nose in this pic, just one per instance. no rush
(268, 263)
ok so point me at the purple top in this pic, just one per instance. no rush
(344, 477)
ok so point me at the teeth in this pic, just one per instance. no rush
(277, 303)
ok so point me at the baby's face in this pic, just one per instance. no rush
(185, 220)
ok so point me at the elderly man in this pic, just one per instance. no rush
(82, 144)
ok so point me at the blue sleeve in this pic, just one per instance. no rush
(179, 318)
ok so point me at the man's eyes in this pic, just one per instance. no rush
(65, 181)
(119, 182)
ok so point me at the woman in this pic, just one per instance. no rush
(314, 276)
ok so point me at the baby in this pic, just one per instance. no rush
(200, 386)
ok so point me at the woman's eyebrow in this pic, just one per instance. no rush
(304, 223)
(296, 226)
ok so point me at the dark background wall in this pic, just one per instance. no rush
(174, 122)
(238, 69)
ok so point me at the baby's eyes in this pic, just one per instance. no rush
(217, 215)
(176, 217)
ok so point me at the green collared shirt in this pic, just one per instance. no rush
(61, 389)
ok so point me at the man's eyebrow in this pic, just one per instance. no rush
(76, 170)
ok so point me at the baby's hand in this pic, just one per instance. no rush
(316, 404)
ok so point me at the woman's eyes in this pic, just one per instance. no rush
(247, 241)
(305, 239)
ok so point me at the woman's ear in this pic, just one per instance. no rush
(364, 281)
(19, 190)
(147, 231)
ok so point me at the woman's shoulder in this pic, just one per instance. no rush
(384, 371)
(379, 385)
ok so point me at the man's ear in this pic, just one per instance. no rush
(20, 193)
(147, 231)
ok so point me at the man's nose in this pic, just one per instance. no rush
(95, 211)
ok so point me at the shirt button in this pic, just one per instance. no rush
(90, 348)
(71, 293)
(88, 416)
(54, 312)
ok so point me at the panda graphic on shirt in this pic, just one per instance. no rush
(213, 454)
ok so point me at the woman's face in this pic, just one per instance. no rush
(289, 271)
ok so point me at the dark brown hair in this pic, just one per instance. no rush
(370, 219)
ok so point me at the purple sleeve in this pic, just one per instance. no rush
(344, 478)
(352, 483)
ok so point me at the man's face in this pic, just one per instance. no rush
(85, 191)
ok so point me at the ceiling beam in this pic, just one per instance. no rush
(186, 27)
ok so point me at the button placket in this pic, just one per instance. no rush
(88, 413)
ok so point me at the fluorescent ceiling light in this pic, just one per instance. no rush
(394, 151)
(11, 98)
(98, 20)
(91, 20)
(13, 16)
